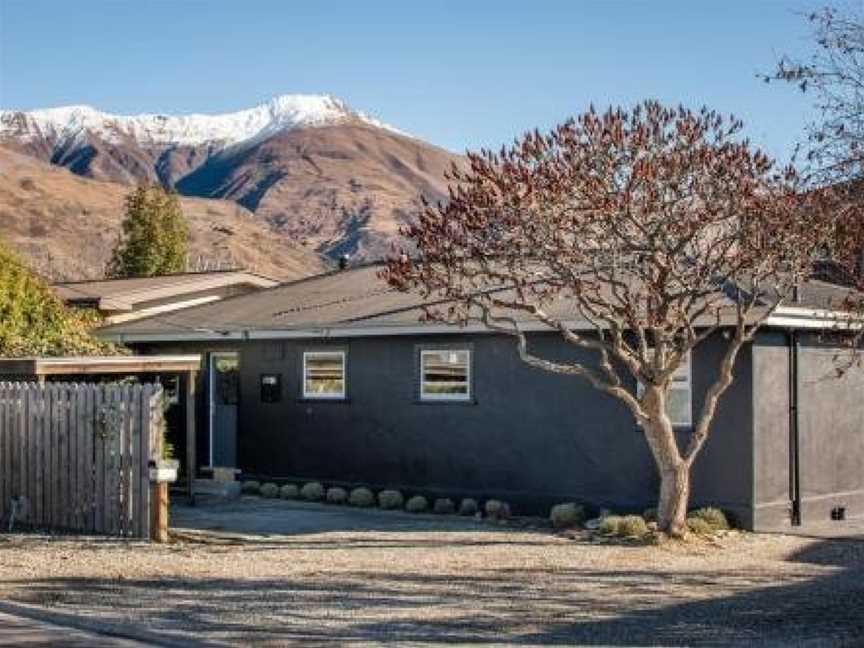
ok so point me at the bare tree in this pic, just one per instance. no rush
(834, 76)
(634, 235)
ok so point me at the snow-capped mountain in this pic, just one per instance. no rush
(281, 113)
(310, 166)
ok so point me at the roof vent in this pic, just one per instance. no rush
(343, 261)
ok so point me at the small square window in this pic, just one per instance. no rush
(271, 388)
(324, 374)
(679, 402)
(445, 375)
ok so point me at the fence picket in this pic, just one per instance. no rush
(27, 469)
(145, 452)
(88, 419)
(77, 455)
(40, 514)
(4, 470)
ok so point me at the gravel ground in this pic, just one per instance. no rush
(480, 584)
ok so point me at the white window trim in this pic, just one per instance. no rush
(424, 396)
(688, 360)
(318, 395)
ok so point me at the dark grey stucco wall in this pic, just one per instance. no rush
(528, 435)
(831, 432)
(771, 494)
(723, 472)
(832, 435)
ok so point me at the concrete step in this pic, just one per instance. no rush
(216, 488)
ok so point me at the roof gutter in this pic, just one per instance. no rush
(204, 335)
(797, 318)
(814, 318)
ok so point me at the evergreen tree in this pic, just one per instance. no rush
(155, 235)
(33, 320)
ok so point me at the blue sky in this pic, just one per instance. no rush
(458, 74)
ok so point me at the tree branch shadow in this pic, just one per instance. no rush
(534, 605)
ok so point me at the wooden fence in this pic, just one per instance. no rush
(75, 457)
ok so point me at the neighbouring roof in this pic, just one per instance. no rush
(78, 365)
(112, 295)
(343, 303)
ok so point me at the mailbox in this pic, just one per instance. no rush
(164, 471)
(271, 388)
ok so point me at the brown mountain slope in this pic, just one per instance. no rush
(339, 189)
(311, 166)
(66, 225)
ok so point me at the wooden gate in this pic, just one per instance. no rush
(75, 457)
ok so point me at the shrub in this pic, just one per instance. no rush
(362, 497)
(416, 504)
(699, 526)
(251, 487)
(650, 515)
(444, 506)
(632, 526)
(714, 517)
(336, 495)
(269, 490)
(497, 510)
(313, 492)
(468, 506)
(289, 491)
(609, 524)
(390, 499)
(566, 516)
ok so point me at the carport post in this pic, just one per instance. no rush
(191, 455)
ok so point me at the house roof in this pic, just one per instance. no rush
(112, 295)
(345, 303)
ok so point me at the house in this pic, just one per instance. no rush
(122, 300)
(335, 378)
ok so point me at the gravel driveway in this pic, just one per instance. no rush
(391, 577)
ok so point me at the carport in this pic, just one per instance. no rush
(177, 374)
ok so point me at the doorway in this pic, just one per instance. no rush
(224, 401)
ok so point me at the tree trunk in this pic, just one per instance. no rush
(674, 496)
(674, 470)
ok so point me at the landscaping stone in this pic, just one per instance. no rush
(444, 506)
(417, 504)
(468, 506)
(362, 497)
(269, 490)
(251, 487)
(390, 500)
(337, 495)
(313, 492)
(497, 510)
(289, 491)
(567, 515)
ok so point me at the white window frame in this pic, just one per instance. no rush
(432, 397)
(684, 373)
(328, 396)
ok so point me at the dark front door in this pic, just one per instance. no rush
(224, 397)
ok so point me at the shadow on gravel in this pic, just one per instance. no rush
(255, 516)
(516, 606)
